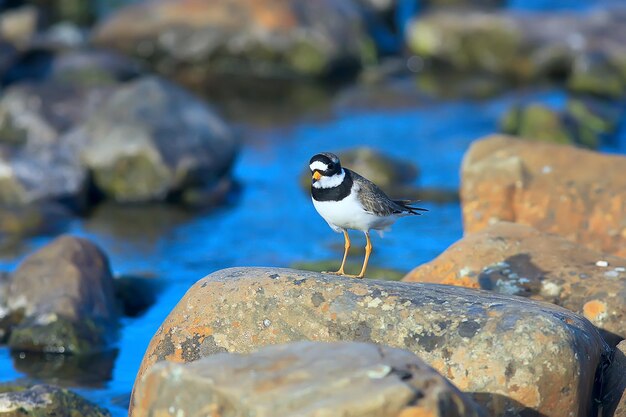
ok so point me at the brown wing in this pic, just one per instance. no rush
(377, 202)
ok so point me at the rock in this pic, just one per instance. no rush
(537, 122)
(92, 67)
(198, 40)
(515, 259)
(45, 401)
(304, 379)
(542, 185)
(18, 26)
(90, 370)
(64, 292)
(585, 122)
(514, 354)
(587, 52)
(8, 56)
(36, 165)
(387, 172)
(614, 399)
(150, 140)
(136, 294)
(33, 220)
(4, 289)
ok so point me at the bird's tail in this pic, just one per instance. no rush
(409, 206)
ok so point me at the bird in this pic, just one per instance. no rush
(346, 200)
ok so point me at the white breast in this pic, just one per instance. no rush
(349, 214)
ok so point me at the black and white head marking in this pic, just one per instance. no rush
(330, 174)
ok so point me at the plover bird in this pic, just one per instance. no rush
(346, 200)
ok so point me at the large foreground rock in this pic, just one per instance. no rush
(586, 50)
(575, 193)
(45, 401)
(150, 140)
(512, 353)
(198, 39)
(304, 379)
(515, 259)
(63, 299)
(614, 400)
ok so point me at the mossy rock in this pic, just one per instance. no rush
(45, 401)
(60, 335)
(373, 272)
(537, 122)
(597, 74)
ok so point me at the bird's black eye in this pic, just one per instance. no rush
(331, 165)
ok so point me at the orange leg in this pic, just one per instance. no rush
(368, 251)
(345, 255)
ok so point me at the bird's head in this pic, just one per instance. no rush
(326, 170)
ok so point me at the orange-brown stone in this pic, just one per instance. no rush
(576, 193)
(516, 259)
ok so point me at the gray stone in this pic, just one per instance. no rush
(151, 139)
(64, 294)
(519, 357)
(304, 379)
(45, 401)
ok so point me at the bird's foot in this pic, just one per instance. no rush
(342, 273)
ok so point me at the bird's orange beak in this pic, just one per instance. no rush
(317, 175)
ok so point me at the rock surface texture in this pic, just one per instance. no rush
(515, 259)
(62, 298)
(512, 354)
(198, 39)
(575, 193)
(304, 379)
(45, 401)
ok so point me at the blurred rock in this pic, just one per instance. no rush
(586, 50)
(8, 56)
(522, 356)
(585, 121)
(196, 40)
(537, 122)
(65, 294)
(150, 140)
(45, 401)
(387, 172)
(90, 370)
(614, 399)
(136, 294)
(33, 219)
(4, 289)
(305, 379)
(545, 186)
(18, 26)
(515, 259)
(80, 12)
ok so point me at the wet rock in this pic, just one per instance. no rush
(537, 122)
(150, 140)
(587, 51)
(64, 292)
(387, 172)
(519, 354)
(136, 294)
(197, 40)
(307, 379)
(92, 67)
(32, 220)
(515, 259)
(614, 399)
(45, 401)
(585, 122)
(90, 370)
(542, 185)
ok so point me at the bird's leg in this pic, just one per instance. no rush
(346, 246)
(368, 251)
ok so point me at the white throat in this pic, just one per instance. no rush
(330, 182)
